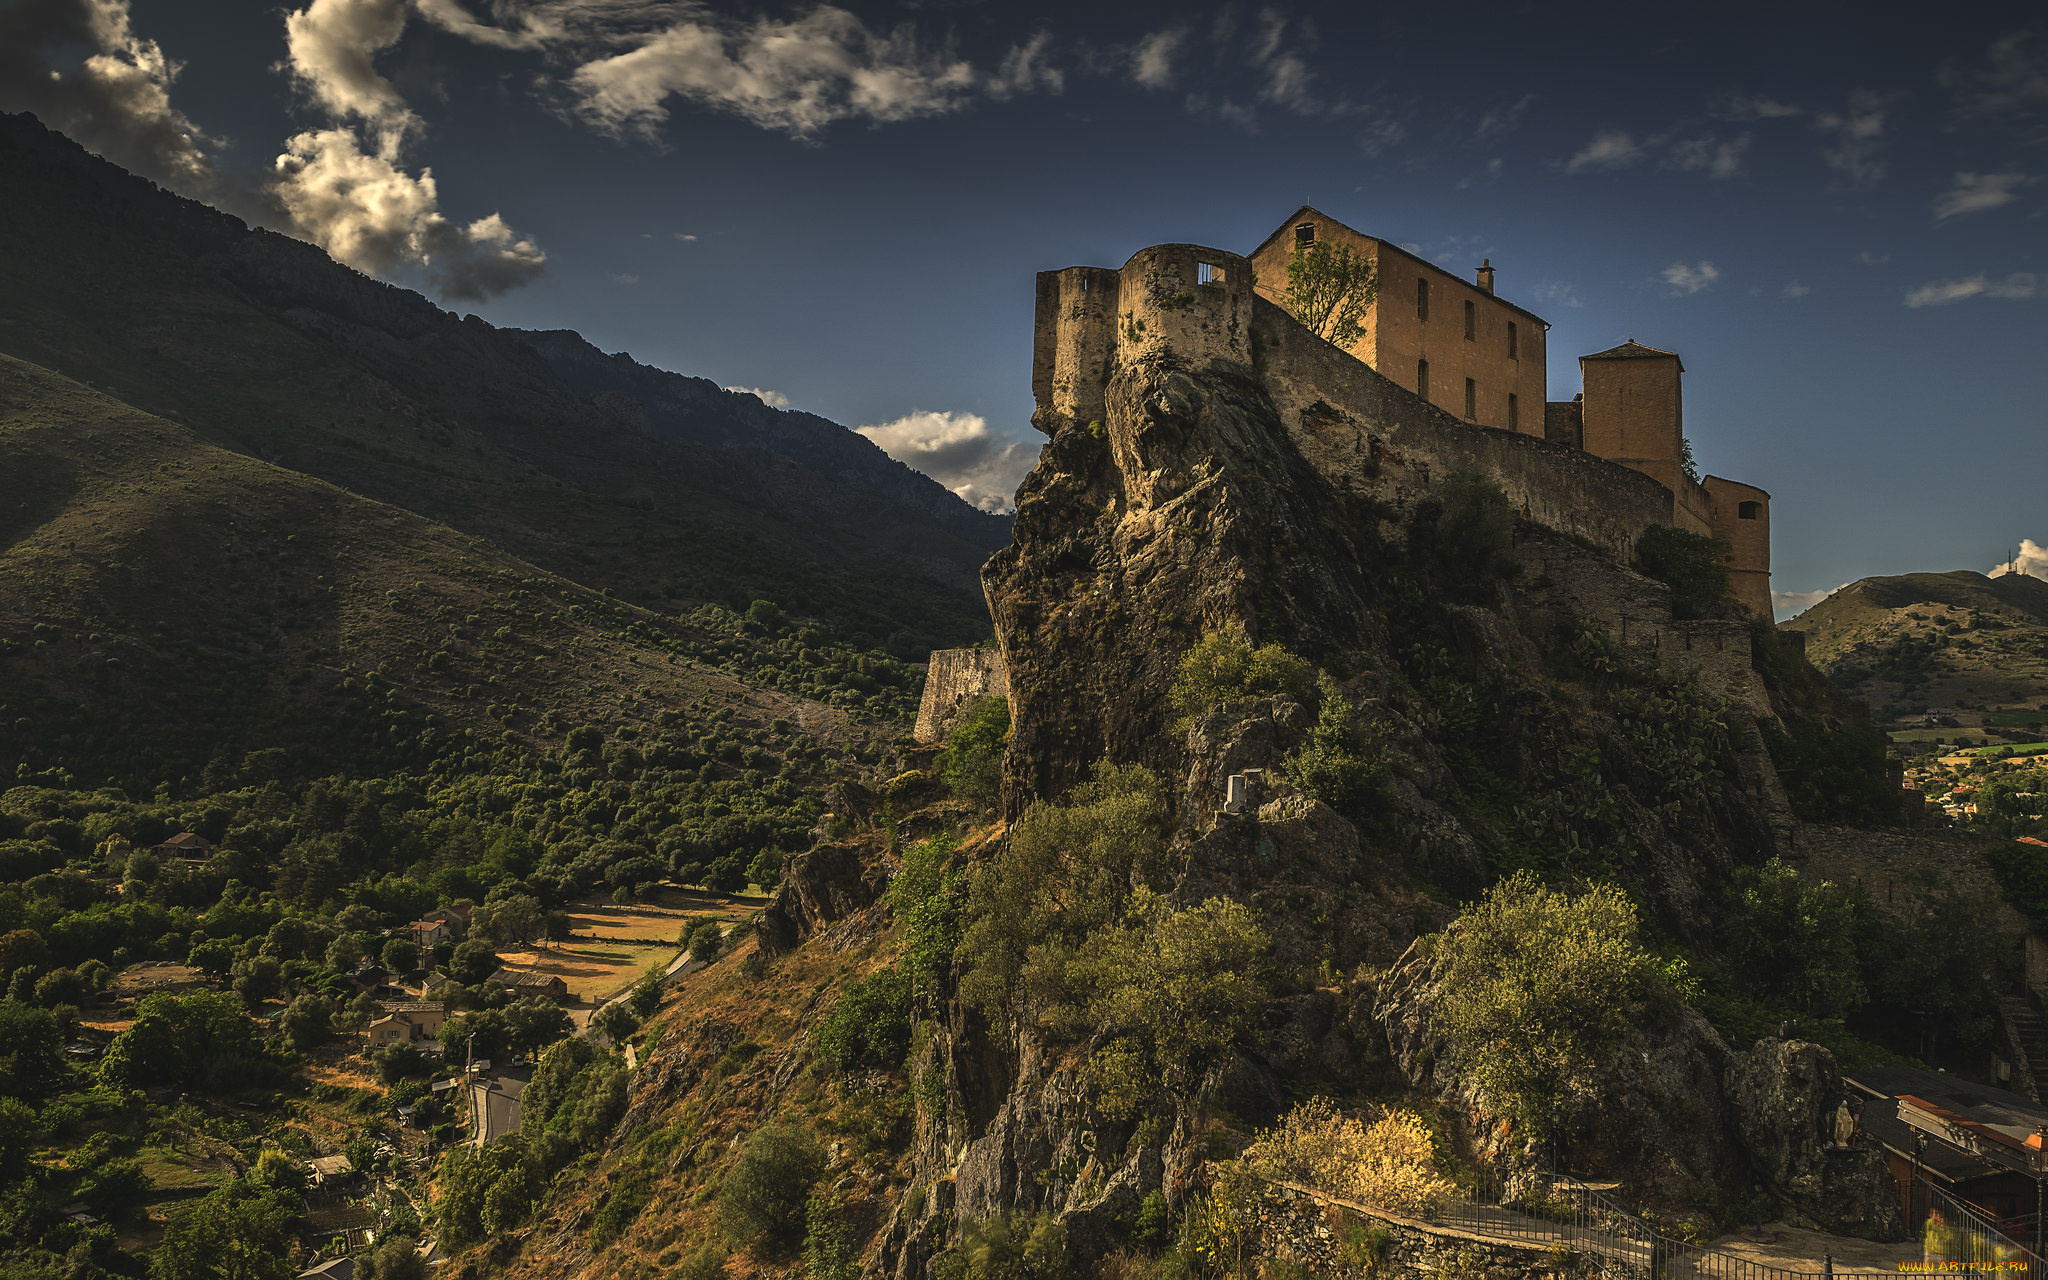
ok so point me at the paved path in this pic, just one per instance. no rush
(1797, 1250)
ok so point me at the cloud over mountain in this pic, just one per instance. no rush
(959, 451)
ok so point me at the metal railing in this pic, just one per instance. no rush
(1561, 1213)
(1958, 1239)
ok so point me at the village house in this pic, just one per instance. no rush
(406, 1022)
(521, 982)
(1974, 1142)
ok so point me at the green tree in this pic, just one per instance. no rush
(869, 1026)
(1794, 943)
(971, 765)
(31, 1052)
(235, 1233)
(400, 955)
(1694, 566)
(1537, 989)
(762, 1200)
(307, 1022)
(1330, 287)
(705, 940)
(512, 919)
(1342, 760)
(484, 1192)
(396, 1257)
(472, 962)
(1065, 871)
(199, 1040)
(615, 1022)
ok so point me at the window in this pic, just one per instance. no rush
(1422, 378)
(1471, 398)
(1749, 510)
(1514, 412)
(1208, 273)
(1084, 284)
(1471, 320)
(1514, 351)
(1422, 299)
(1305, 233)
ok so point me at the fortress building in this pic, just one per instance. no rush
(1460, 346)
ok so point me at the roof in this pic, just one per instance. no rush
(187, 840)
(332, 1269)
(1390, 247)
(524, 978)
(330, 1166)
(1633, 350)
(1990, 1119)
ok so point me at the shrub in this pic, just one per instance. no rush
(615, 1022)
(1065, 870)
(707, 1262)
(926, 898)
(1389, 1166)
(706, 940)
(1794, 942)
(1224, 667)
(869, 1026)
(621, 1207)
(1466, 535)
(1695, 567)
(972, 763)
(1342, 761)
(1010, 1246)
(828, 1244)
(762, 1200)
(1538, 988)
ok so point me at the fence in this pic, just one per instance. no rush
(1959, 1240)
(1561, 1213)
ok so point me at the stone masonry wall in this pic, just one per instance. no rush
(954, 679)
(1899, 869)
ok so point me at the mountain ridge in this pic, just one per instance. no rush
(617, 475)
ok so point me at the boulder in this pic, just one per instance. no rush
(1785, 1098)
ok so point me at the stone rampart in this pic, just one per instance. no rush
(955, 678)
(1900, 870)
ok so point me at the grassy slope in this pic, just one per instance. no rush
(164, 600)
(1919, 640)
(266, 346)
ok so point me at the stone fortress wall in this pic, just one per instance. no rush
(952, 681)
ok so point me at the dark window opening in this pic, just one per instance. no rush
(1471, 321)
(1749, 510)
(1514, 412)
(1514, 352)
(1208, 273)
(1305, 233)
(1471, 398)
(1422, 378)
(1422, 299)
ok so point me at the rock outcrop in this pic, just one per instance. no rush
(1788, 1105)
(818, 888)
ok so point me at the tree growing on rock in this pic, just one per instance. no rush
(1330, 286)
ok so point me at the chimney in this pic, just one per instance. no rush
(1486, 274)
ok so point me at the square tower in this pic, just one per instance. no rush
(1633, 411)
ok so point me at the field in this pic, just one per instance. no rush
(612, 946)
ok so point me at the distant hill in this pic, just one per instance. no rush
(174, 611)
(1959, 642)
(665, 490)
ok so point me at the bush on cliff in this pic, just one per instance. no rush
(1390, 1165)
(869, 1027)
(1695, 567)
(1224, 667)
(1466, 536)
(1010, 1246)
(972, 763)
(762, 1200)
(1536, 989)
(1065, 871)
(1343, 760)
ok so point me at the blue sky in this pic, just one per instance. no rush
(1837, 214)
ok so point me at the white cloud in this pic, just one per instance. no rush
(625, 277)
(2031, 559)
(1858, 135)
(1687, 279)
(1558, 292)
(685, 237)
(1753, 106)
(1794, 289)
(1719, 159)
(1507, 119)
(1790, 604)
(1288, 75)
(1152, 58)
(773, 399)
(349, 191)
(1609, 149)
(1978, 192)
(115, 99)
(794, 76)
(1869, 259)
(2020, 286)
(1027, 67)
(959, 451)
(1488, 175)
(2008, 86)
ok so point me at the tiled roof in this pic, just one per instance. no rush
(1633, 350)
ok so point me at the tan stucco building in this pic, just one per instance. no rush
(1452, 341)
(1475, 355)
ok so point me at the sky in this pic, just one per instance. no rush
(1837, 214)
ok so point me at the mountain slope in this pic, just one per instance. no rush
(1958, 641)
(664, 490)
(166, 605)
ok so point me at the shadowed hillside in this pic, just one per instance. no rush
(666, 490)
